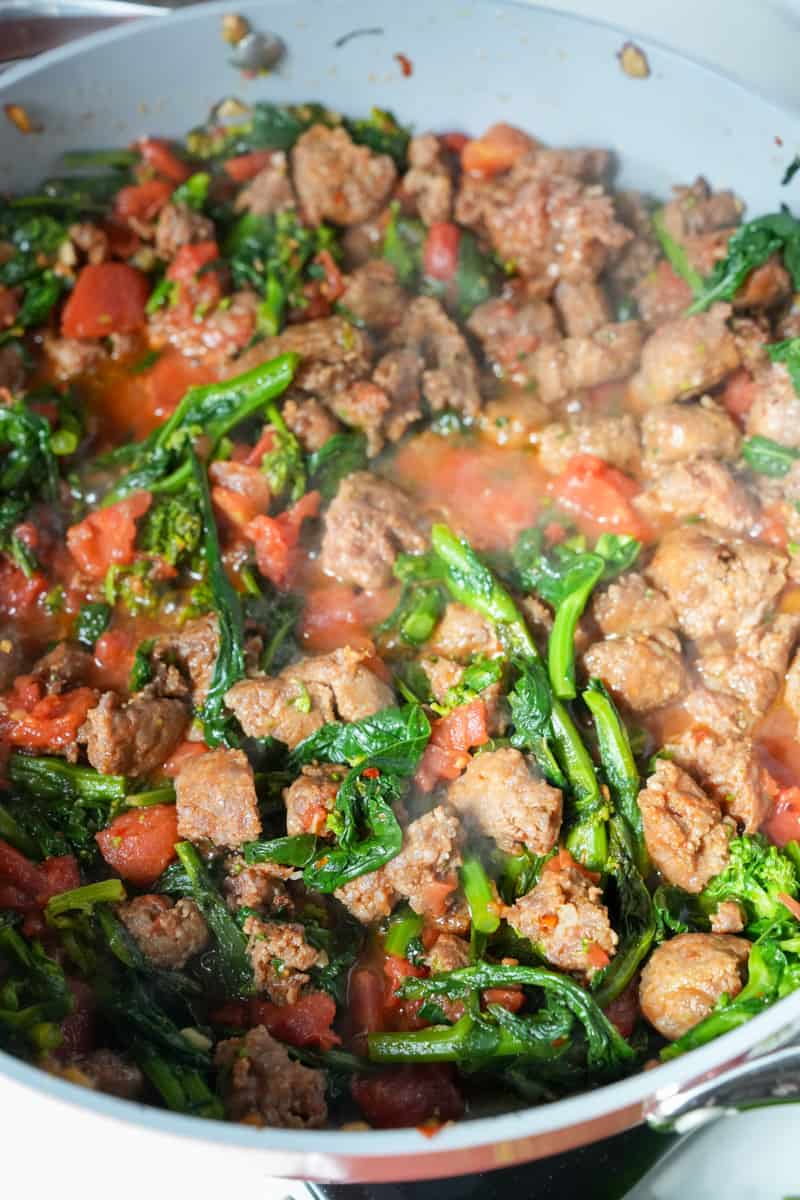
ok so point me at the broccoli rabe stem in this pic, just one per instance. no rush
(480, 896)
(404, 926)
(84, 899)
(619, 765)
(47, 778)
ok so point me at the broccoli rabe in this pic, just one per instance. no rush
(756, 876)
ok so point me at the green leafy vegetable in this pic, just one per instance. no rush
(676, 254)
(297, 851)
(173, 529)
(750, 247)
(791, 171)
(416, 614)
(382, 133)
(361, 803)
(391, 740)
(284, 463)
(83, 899)
(405, 927)
(93, 619)
(480, 897)
(619, 765)
(339, 457)
(403, 243)
(767, 457)
(788, 353)
(756, 875)
(636, 916)
(235, 967)
(194, 192)
(34, 996)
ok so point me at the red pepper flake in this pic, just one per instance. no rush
(19, 116)
(371, 773)
(406, 65)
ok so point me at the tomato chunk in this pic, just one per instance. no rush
(30, 885)
(139, 844)
(601, 495)
(447, 752)
(440, 256)
(37, 722)
(108, 536)
(159, 155)
(274, 538)
(738, 394)
(783, 823)
(402, 1096)
(181, 754)
(307, 1022)
(189, 260)
(243, 167)
(142, 201)
(108, 297)
(497, 151)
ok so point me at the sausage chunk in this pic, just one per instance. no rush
(450, 377)
(216, 799)
(461, 634)
(752, 673)
(574, 363)
(179, 225)
(728, 769)
(502, 796)
(193, 649)
(565, 917)
(166, 933)
(134, 738)
(431, 855)
(632, 605)
(428, 181)
(700, 487)
(310, 422)
(643, 671)
(686, 836)
(615, 439)
(510, 331)
(105, 1071)
(369, 898)
(269, 191)
(260, 886)
(367, 525)
(717, 583)
(263, 1086)
(308, 694)
(775, 412)
(448, 953)
(65, 666)
(685, 978)
(311, 798)
(683, 432)
(373, 294)
(582, 307)
(686, 356)
(281, 958)
(334, 353)
(338, 181)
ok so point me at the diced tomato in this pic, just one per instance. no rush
(59, 874)
(141, 201)
(274, 538)
(190, 258)
(396, 969)
(409, 1095)
(123, 242)
(264, 444)
(50, 723)
(783, 823)
(738, 394)
(18, 591)
(447, 752)
(234, 508)
(333, 284)
(596, 956)
(336, 615)
(773, 527)
(497, 151)
(563, 860)
(108, 297)
(159, 155)
(790, 903)
(306, 1023)
(181, 755)
(601, 495)
(114, 653)
(241, 492)
(139, 844)
(30, 885)
(365, 1004)
(624, 1011)
(440, 256)
(18, 870)
(108, 536)
(243, 167)
(454, 142)
(509, 997)
(437, 893)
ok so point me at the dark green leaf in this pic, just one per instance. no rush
(93, 619)
(339, 457)
(767, 457)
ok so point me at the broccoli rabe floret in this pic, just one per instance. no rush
(756, 876)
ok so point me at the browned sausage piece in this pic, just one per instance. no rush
(263, 1086)
(685, 977)
(368, 524)
(167, 933)
(685, 834)
(503, 796)
(216, 799)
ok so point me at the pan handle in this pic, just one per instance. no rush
(749, 1082)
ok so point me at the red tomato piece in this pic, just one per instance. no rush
(19, 871)
(396, 969)
(139, 844)
(738, 394)
(141, 201)
(58, 874)
(108, 297)
(773, 528)
(107, 536)
(365, 1003)
(498, 150)
(50, 723)
(274, 538)
(263, 446)
(596, 956)
(18, 591)
(243, 167)
(508, 997)
(783, 823)
(159, 155)
(409, 1095)
(440, 256)
(307, 1022)
(189, 260)
(447, 752)
(601, 494)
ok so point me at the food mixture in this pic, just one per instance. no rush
(400, 594)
